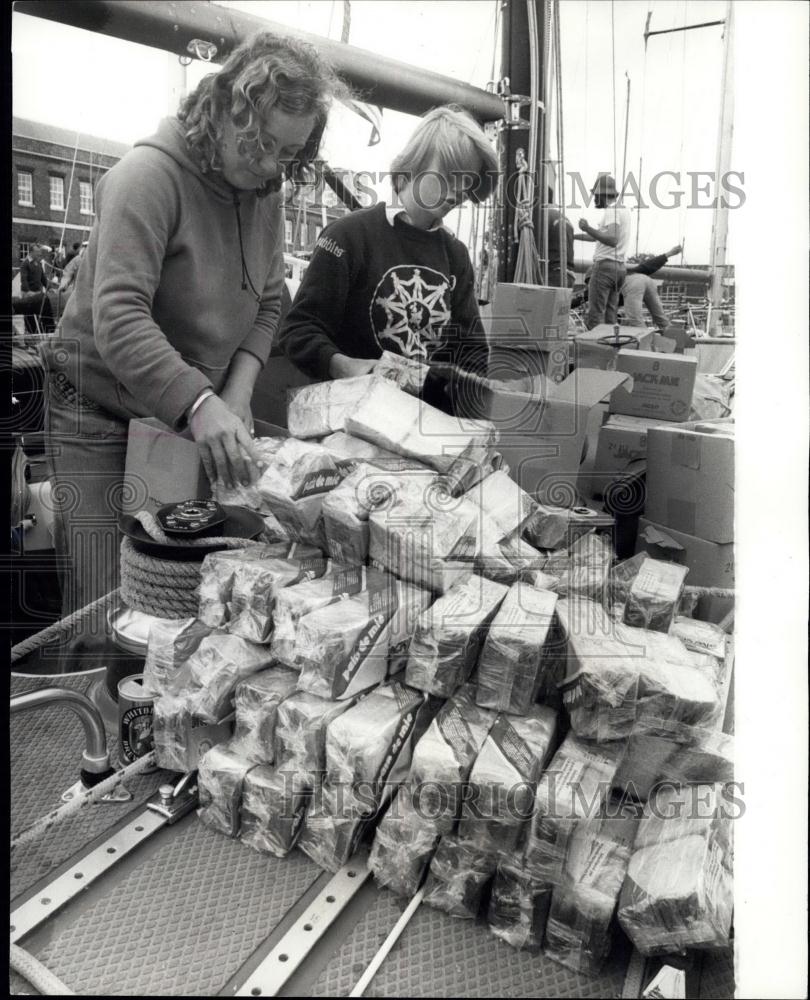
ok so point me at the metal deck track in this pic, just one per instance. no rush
(189, 911)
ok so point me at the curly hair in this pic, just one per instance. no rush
(263, 73)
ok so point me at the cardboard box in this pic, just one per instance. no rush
(542, 429)
(711, 564)
(690, 479)
(164, 467)
(662, 385)
(536, 313)
(508, 361)
(589, 353)
(621, 448)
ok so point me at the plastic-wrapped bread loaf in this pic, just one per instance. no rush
(654, 594)
(574, 787)
(407, 373)
(315, 410)
(394, 420)
(257, 700)
(216, 586)
(219, 780)
(588, 572)
(256, 583)
(181, 737)
(212, 672)
(301, 722)
(273, 808)
(430, 540)
(293, 603)
(171, 642)
(294, 485)
(368, 752)
(371, 743)
(346, 510)
(403, 846)
(444, 756)
(249, 496)
(345, 648)
(579, 927)
(559, 527)
(459, 873)
(504, 778)
(448, 636)
(678, 892)
(518, 906)
(511, 662)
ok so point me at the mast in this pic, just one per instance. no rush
(717, 256)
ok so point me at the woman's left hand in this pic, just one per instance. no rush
(238, 402)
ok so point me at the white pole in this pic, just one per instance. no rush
(717, 261)
(387, 945)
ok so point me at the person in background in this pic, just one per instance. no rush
(74, 251)
(392, 277)
(176, 302)
(640, 290)
(34, 292)
(70, 270)
(612, 237)
(559, 275)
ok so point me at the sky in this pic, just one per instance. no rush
(120, 90)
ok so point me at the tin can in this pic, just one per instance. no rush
(135, 716)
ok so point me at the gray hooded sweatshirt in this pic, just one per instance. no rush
(169, 289)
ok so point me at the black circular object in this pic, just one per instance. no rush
(622, 340)
(192, 518)
(239, 523)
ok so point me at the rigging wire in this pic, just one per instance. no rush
(643, 123)
(682, 219)
(561, 150)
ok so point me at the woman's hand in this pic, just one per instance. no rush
(238, 402)
(342, 366)
(226, 448)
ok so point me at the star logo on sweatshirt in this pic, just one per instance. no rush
(409, 308)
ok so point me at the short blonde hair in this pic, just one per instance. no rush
(453, 140)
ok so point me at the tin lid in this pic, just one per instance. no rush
(130, 628)
(132, 687)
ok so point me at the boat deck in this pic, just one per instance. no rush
(192, 913)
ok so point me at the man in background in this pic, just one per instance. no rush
(640, 290)
(612, 236)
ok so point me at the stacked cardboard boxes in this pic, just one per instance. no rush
(689, 513)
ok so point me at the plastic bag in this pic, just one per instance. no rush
(511, 662)
(448, 636)
(219, 780)
(588, 572)
(459, 873)
(315, 410)
(444, 756)
(403, 846)
(504, 778)
(574, 788)
(257, 700)
(171, 642)
(407, 373)
(518, 907)
(653, 592)
(301, 722)
(273, 808)
(678, 892)
(345, 648)
(214, 669)
(333, 826)
(255, 585)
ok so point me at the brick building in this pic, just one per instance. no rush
(43, 165)
(49, 190)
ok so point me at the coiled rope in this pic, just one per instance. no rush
(61, 629)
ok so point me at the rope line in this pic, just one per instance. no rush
(61, 628)
(89, 797)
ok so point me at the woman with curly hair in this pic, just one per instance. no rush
(178, 297)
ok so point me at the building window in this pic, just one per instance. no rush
(57, 189)
(288, 231)
(86, 198)
(25, 187)
(25, 249)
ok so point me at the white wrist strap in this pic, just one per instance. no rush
(198, 403)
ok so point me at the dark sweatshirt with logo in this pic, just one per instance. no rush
(376, 285)
(169, 289)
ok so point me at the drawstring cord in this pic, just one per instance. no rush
(246, 279)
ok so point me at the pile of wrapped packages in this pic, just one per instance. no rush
(419, 656)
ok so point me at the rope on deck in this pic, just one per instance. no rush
(39, 975)
(61, 629)
(90, 797)
(165, 588)
(710, 592)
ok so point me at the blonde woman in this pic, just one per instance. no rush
(177, 300)
(392, 277)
